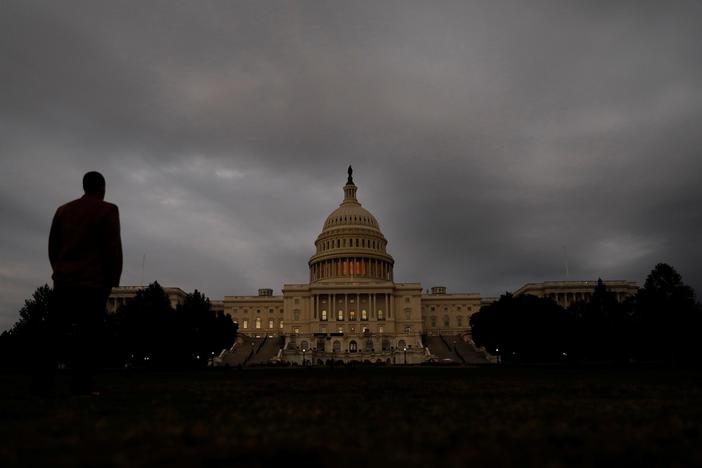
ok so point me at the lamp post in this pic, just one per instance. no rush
(304, 363)
(405, 350)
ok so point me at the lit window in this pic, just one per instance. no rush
(296, 330)
(340, 315)
(408, 330)
(364, 314)
(324, 315)
(340, 329)
(281, 324)
(258, 323)
(381, 314)
(381, 329)
(246, 324)
(270, 324)
(352, 315)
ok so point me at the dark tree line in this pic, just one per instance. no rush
(659, 323)
(146, 331)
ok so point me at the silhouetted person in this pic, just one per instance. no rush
(85, 251)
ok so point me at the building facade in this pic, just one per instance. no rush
(352, 308)
(566, 293)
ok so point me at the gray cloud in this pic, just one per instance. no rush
(494, 142)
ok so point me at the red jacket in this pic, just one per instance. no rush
(85, 248)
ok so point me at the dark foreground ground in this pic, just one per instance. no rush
(359, 417)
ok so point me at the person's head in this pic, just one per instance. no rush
(94, 184)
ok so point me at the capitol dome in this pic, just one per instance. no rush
(351, 246)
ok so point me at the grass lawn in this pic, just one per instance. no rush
(362, 416)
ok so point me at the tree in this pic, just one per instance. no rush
(21, 343)
(205, 333)
(667, 317)
(524, 327)
(145, 328)
(603, 326)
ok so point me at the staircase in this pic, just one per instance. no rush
(249, 351)
(452, 348)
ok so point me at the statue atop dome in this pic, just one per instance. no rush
(350, 179)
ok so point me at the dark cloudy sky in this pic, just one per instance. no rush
(494, 141)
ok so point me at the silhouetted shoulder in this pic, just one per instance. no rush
(112, 206)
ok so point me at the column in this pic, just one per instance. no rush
(346, 306)
(358, 305)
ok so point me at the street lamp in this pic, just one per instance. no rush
(304, 363)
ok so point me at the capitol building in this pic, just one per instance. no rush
(352, 308)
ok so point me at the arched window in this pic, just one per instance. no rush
(433, 320)
(340, 315)
(281, 325)
(353, 347)
(352, 315)
(245, 325)
(401, 345)
(304, 345)
(446, 320)
(369, 345)
(381, 314)
(364, 314)
(320, 345)
(270, 324)
(336, 347)
(258, 323)
(296, 314)
(324, 314)
(386, 345)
